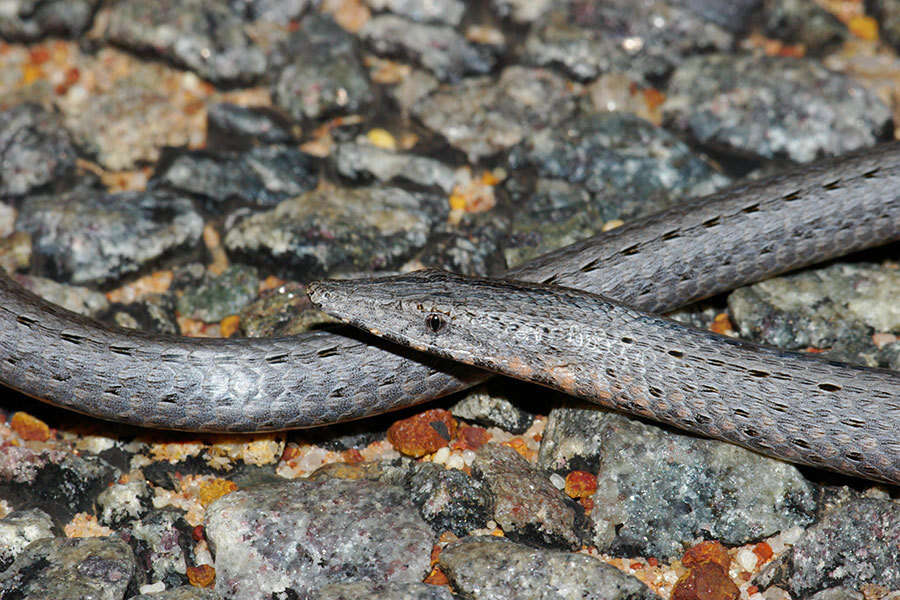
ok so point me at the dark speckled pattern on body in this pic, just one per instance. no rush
(735, 237)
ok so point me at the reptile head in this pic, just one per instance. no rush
(432, 311)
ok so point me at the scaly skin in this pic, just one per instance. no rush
(792, 406)
(734, 237)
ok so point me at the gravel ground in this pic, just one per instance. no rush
(186, 167)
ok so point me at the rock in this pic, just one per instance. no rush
(482, 117)
(29, 20)
(359, 162)
(804, 22)
(18, 529)
(840, 550)
(438, 48)
(389, 591)
(644, 39)
(82, 300)
(301, 535)
(122, 503)
(60, 484)
(593, 169)
(281, 12)
(837, 308)
(773, 107)
(491, 568)
(495, 404)
(449, 499)
(448, 12)
(238, 127)
(471, 246)
(183, 592)
(521, 11)
(36, 151)
(162, 541)
(89, 236)
(705, 488)
(260, 176)
(97, 568)
(322, 75)
(218, 297)
(343, 229)
(527, 506)
(208, 38)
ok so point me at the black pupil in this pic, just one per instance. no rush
(435, 322)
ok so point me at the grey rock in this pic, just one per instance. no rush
(285, 310)
(521, 11)
(208, 38)
(835, 308)
(301, 535)
(438, 48)
(35, 150)
(412, 89)
(183, 592)
(658, 492)
(18, 529)
(837, 593)
(448, 12)
(449, 499)
(153, 312)
(88, 236)
(735, 15)
(123, 502)
(592, 169)
(495, 404)
(526, 505)
(60, 484)
(471, 247)
(261, 176)
(621, 159)
(31, 20)
(82, 300)
(644, 38)
(574, 440)
(70, 569)
(281, 12)
(889, 356)
(220, 296)
(361, 161)
(551, 213)
(162, 543)
(852, 545)
(389, 591)
(322, 75)
(481, 116)
(233, 126)
(343, 229)
(804, 22)
(491, 568)
(773, 107)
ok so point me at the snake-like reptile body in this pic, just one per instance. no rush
(792, 406)
(736, 236)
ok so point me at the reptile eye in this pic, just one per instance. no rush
(435, 322)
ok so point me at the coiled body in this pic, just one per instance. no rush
(791, 406)
(686, 253)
